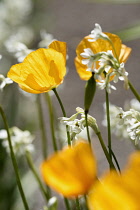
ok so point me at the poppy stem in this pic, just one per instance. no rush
(14, 162)
(105, 150)
(49, 102)
(42, 127)
(114, 49)
(31, 165)
(64, 114)
(108, 125)
(78, 204)
(134, 91)
(87, 127)
(67, 203)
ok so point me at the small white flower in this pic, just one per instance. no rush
(21, 141)
(76, 126)
(104, 83)
(135, 104)
(4, 81)
(46, 39)
(19, 49)
(97, 34)
(88, 60)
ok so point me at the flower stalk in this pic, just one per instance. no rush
(87, 127)
(105, 150)
(48, 99)
(134, 91)
(108, 125)
(14, 162)
(42, 127)
(64, 114)
(31, 165)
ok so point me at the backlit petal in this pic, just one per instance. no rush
(71, 171)
(81, 70)
(60, 47)
(125, 53)
(116, 191)
(40, 71)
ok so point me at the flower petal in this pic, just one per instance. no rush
(125, 53)
(81, 70)
(59, 47)
(118, 191)
(40, 71)
(71, 171)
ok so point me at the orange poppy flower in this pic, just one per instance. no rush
(121, 51)
(71, 171)
(118, 191)
(42, 70)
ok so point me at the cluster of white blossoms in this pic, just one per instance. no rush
(4, 80)
(52, 204)
(126, 123)
(21, 141)
(76, 126)
(19, 50)
(13, 16)
(109, 67)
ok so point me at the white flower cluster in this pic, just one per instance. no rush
(20, 50)
(109, 67)
(46, 39)
(52, 204)
(12, 20)
(126, 123)
(76, 126)
(21, 141)
(4, 81)
(97, 33)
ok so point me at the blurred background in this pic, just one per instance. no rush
(69, 21)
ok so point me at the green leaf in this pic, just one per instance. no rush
(89, 92)
(115, 1)
(130, 33)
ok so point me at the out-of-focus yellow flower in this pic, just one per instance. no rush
(97, 46)
(71, 171)
(42, 70)
(118, 192)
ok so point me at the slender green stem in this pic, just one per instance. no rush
(14, 162)
(51, 120)
(78, 204)
(68, 136)
(105, 150)
(108, 124)
(85, 197)
(134, 91)
(64, 114)
(60, 102)
(87, 127)
(31, 165)
(116, 161)
(43, 133)
(67, 204)
(42, 127)
(114, 49)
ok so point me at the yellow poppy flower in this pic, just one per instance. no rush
(118, 191)
(122, 52)
(71, 171)
(42, 70)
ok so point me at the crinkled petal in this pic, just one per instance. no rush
(71, 171)
(125, 53)
(59, 47)
(40, 71)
